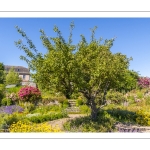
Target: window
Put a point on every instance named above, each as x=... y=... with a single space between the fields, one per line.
x=18 y=70
x=24 y=76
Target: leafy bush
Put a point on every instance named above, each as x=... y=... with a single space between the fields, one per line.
x=84 y=109
x=115 y=97
x=14 y=89
x=65 y=104
x=27 y=106
x=7 y=119
x=46 y=109
x=123 y=115
x=21 y=126
x=6 y=102
x=104 y=123
x=47 y=117
x=79 y=102
x=12 y=96
x=48 y=100
x=29 y=94
x=2 y=90
x=143 y=117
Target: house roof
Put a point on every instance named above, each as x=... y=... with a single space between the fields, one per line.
x=19 y=69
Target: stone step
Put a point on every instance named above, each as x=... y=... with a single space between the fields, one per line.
x=72 y=109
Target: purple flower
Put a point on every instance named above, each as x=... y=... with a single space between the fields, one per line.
x=10 y=109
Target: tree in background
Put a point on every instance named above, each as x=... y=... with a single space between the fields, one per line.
x=13 y=77
x=130 y=79
x=90 y=68
x=55 y=69
x=2 y=74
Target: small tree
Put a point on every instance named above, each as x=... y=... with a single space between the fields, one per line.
x=2 y=74
x=12 y=77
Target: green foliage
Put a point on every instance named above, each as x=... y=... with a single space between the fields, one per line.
x=2 y=91
x=14 y=89
x=12 y=77
x=65 y=104
x=47 y=117
x=6 y=102
x=60 y=99
x=79 y=102
x=2 y=73
x=123 y=115
x=8 y=119
x=130 y=80
x=143 y=117
x=27 y=106
x=46 y=109
x=84 y=109
x=104 y=123
x=115 y=97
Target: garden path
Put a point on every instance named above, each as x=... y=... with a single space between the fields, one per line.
x=60 y=122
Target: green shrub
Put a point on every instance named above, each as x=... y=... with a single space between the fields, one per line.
x=65 y=104
x=47 y=100
x=6 y=120
x=116 y=97
x=123 y=115
x=79 y=102
x=27 y=106
x=6 y=102
x=104 y=123
x=46 y=109
x=2 y=90
x=47 y=117
x=147 y=100
x=14 y=89
x=84 y=109
x=143 y=117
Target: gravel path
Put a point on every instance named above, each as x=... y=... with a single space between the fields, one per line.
x=60 y=122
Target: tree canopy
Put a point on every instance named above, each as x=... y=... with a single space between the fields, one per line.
x=90 y=68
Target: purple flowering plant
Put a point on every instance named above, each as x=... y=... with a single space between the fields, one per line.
x=144 y=82
x=11 y=109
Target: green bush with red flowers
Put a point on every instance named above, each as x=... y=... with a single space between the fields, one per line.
x=29 y=94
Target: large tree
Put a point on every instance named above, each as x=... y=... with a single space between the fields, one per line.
x=90 y=68
x=98 y=71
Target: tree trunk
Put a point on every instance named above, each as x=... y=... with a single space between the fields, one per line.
x=94 y=110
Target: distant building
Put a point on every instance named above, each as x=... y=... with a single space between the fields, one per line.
x=24 y=73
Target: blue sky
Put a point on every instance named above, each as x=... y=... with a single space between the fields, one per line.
x=132 y=36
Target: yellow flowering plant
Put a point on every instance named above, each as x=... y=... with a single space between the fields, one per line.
x=21 y=126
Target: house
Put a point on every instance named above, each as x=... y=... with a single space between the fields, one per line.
x=24 y=73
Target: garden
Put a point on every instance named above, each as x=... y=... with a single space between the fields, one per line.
x=85 y=80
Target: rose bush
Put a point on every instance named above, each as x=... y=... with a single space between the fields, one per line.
x=144 y=82
x=29 y=94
